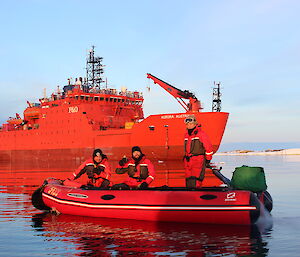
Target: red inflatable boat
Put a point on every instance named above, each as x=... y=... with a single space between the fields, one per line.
x=217 y=205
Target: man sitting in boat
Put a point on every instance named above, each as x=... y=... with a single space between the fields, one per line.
x=198 y=152
x=140 y=170
x=97 y=169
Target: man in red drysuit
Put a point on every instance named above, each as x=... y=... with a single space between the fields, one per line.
x=140 y=170
x=198 y=152
x=97 y=169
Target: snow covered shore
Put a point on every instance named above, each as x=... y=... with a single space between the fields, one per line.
x=295 y=151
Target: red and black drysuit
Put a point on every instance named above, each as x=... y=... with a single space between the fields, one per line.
x=98 y=173
x=198 y=149
x=140 y=172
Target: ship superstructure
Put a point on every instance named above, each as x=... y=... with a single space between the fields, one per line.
x=104 y=108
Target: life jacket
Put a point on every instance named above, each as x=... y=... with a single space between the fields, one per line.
x=143 y=171
x=140 y=170
x=99 y=170
x=198 y=143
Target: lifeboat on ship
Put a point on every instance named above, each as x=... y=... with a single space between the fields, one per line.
x=14 y=121
x=32 y=113
x=212 y=204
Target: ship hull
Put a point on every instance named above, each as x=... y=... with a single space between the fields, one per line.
x=66 y=147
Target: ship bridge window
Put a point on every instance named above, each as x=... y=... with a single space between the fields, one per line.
x=76 y=97
x=86 y=98
x=110 y=99
x=115 y=100
x=106 y=99
x=81 y=97
x=96 y=98
x=123 y=100
x=119 y=100
x=101 y=98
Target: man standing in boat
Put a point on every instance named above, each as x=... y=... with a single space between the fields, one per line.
x=198 y=152
x=97 y=169
x=140 y=170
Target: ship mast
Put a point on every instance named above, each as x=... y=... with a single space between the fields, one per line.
x=216 y=103
x=94 y=70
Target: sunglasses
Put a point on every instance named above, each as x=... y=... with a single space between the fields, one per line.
x=188 y=120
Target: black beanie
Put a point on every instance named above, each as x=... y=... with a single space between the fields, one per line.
x=136 y=148
x=96 y=151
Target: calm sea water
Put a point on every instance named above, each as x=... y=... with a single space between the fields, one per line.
x=25 y=231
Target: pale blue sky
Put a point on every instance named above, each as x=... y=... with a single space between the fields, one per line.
x=251 y=47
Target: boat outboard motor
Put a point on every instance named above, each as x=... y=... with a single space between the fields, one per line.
x=266 y=199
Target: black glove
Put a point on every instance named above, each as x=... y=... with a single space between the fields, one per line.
x=207 y=163
x=123 y=161
x=143 y=185
x=187 y=158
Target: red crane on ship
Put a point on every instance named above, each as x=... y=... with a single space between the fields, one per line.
x=192 y=105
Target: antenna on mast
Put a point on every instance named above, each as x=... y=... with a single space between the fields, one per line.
x=94 y=70
x=216 y=103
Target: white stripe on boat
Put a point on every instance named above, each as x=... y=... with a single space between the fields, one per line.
x=137 y=207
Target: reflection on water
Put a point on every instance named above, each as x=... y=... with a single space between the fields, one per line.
x=112 y=237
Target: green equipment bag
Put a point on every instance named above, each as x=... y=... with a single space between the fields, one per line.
x=249 y=178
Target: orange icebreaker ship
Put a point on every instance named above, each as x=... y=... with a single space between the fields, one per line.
x=62 y=130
